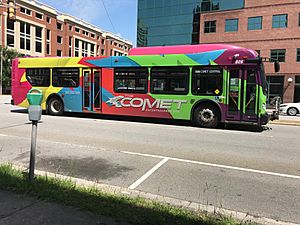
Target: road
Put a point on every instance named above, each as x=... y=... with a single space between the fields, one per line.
x=255 y=172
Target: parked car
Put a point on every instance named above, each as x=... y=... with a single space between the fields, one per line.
x=291 y=109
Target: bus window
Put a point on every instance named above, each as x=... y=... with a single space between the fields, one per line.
x=39 y=77
x=170 y=80
x=207 y=81
x=131 y=80
x=65 y=77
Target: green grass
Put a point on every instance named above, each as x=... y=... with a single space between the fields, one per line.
x=132 y=210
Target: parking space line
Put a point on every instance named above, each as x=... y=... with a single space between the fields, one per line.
x=148 y=174
x=217 y=165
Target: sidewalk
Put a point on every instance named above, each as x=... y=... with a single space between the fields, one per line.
x=287 y=120
x=19 y=209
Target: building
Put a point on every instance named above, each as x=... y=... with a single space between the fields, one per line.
x=269 y=27
x=40 y=30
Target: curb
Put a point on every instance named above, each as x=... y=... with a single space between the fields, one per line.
x=285 y=122
x=194 y=206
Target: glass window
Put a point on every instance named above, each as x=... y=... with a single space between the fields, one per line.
x=59 y=26
x=255 y=23
x=170 y=80
x=280 y=21
x=131 y=80
x=275 y=87
x=10 y=33
x=59 y=53
x=65 y=77
x=207 y=80
x=210 y=26
x=298 y=55
x=38 y=77
x=59 y=39
x=231 y=25
x=38 y=39
x=39 y=15
x=278 y=54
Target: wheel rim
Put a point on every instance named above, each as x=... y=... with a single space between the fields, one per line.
x=206 y=115
x=292 y=112
x=55 y=106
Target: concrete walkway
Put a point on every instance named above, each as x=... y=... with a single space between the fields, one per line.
x=18 y=209
x=287 y=120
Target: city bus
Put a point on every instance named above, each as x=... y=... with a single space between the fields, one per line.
x=207 y=84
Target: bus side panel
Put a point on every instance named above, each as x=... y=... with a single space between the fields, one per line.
x=20 y=86
x=129 y=104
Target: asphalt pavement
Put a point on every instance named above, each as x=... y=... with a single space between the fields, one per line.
x=250 y=171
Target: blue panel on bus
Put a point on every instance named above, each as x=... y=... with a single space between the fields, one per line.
x=72 y=99
x=115 y=61
x=206 y=57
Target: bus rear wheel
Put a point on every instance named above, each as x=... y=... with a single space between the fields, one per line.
x=55 y=107
x=206 y=116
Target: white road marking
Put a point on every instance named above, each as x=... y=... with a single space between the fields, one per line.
x=3 y=135
x=148 y=174
x=216 y=165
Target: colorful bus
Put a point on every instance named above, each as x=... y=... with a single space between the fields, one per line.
x=208 y=84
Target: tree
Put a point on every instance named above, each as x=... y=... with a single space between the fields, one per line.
x=8 y=55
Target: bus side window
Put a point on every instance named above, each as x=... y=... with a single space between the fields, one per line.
x=38 y=77
x=207 y=80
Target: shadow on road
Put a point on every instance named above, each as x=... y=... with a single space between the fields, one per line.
x=185 y=123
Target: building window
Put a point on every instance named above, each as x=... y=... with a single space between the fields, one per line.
x=102 y=52
x=70 y=28
x=38 y=77
x=278 y=54
x=298 y=55
x=48 y=41
x=210 y=26
x=65 y=77
x=48 y=19
x=169 y=80
x=275 y=87
x=59 y=26
x=25 y=11
x=255 y=23
x=130 y=80
x=59 y=53
x=38 y=39
x=92 y=35
x=297 y=89
x=59 y=39
x=280 y=21
x=39 y=15
x=207 y=80
x=70 y=46
x=76 y=47
x=10 y=33
x=77 y=30
x=231 y=25
x=25 y=36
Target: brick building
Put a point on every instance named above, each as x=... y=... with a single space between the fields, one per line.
x=270 y=27
x=40 y=30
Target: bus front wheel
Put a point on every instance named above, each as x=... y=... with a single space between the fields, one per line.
x=55 y=107
x=206 y=116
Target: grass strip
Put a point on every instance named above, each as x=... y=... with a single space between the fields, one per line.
x=135 y=210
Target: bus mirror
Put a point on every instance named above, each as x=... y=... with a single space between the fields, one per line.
x=276 y=66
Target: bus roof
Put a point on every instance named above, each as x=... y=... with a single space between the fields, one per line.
x=184 y=49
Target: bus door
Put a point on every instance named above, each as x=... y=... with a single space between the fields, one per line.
x=242 y=95
x=91 y=90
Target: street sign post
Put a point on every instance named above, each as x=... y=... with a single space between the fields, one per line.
x=34 y=98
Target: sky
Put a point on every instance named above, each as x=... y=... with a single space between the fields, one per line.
x=123 y=14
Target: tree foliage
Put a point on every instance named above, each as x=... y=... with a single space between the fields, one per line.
x=7 y=56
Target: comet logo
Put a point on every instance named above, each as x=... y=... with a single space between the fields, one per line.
x=144 y=104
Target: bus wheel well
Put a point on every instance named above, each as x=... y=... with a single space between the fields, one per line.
x=206 y=113
x=50 y=99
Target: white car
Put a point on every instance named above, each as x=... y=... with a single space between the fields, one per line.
x=291 y=109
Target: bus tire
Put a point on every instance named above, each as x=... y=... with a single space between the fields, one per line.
x=55 y=107
x=206 y=116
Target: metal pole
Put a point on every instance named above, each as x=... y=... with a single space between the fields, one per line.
x=32 y=150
